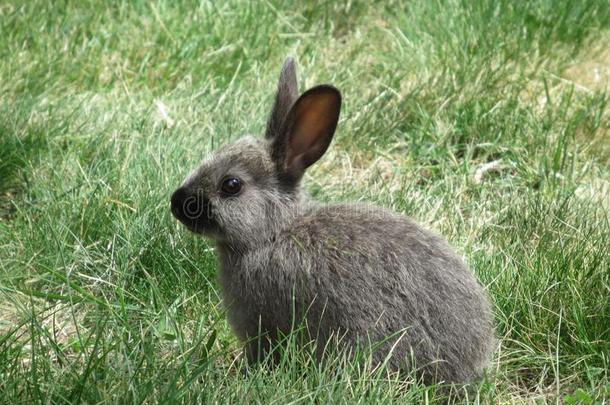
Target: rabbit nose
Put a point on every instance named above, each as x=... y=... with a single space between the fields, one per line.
x=188 y=207
x=178 y=200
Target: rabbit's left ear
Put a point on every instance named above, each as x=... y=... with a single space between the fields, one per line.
x=307 y=131
x=286 y=95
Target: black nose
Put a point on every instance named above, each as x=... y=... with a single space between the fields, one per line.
x=188 y=207
x=178 y=203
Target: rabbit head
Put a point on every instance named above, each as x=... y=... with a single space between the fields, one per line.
x=248 y=190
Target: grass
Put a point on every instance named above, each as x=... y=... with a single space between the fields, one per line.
x=487 y=121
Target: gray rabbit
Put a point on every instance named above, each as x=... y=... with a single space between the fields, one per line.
x=356 y=272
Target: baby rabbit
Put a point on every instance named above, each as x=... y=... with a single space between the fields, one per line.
x=357 y=272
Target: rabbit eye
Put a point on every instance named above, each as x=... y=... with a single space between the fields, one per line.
x=231 y=186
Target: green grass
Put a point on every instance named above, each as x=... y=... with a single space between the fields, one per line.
x=487 y=121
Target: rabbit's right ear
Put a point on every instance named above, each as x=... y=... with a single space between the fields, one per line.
x=287 y=93
x=306 y=132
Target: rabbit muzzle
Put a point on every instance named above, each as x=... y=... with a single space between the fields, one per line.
x=193 y=209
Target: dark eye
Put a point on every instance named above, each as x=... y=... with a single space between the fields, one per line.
x=231 y=186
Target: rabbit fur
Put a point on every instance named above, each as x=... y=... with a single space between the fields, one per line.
x=353 y=271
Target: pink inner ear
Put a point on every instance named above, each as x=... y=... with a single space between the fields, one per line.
x=313 y=123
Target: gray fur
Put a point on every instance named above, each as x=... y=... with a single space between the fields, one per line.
x=356 y=271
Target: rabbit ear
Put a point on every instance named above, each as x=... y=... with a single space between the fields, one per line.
x=307 y=131
x=287 y=92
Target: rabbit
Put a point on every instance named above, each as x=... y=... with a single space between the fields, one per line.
x=357 y=271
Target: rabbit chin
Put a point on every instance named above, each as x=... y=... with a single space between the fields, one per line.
x=208 y=228
x=208 y=231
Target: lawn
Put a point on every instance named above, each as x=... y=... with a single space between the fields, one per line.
x=487 y=121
